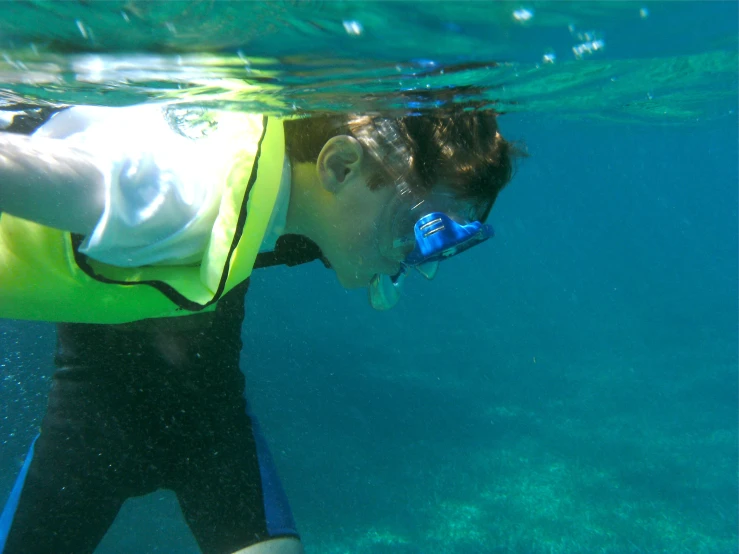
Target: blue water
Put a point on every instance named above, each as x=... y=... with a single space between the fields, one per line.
x=571 y=386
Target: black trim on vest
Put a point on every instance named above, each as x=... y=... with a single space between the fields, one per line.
x=242 y=218
x=290 y=250
x=167 y=290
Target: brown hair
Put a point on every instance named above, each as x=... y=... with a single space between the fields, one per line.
x=463 y=150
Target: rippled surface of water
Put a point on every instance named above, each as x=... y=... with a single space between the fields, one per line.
x=666 y=62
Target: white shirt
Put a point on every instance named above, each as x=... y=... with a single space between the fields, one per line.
x=162 y=194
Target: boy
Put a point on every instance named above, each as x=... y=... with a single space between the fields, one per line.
x=148 y=213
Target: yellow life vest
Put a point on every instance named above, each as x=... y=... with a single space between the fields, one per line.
x=43 y=276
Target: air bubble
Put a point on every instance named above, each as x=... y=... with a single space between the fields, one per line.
x=353 y=27
x=523 y=15
x=81 y=28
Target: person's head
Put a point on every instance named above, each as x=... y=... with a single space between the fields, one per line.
x=357 y=178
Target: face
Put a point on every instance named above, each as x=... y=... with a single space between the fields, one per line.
x=357 y=226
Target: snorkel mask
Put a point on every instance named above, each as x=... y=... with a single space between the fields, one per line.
x=425 y=231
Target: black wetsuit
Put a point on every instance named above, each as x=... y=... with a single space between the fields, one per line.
x=131 y=411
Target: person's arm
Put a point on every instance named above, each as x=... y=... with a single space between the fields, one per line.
x=49 y=182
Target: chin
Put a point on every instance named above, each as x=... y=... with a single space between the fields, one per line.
x=353 y=281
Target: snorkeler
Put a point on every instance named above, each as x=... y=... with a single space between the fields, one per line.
x=150 y=219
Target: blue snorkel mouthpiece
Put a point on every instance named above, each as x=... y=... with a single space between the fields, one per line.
x=384 y=290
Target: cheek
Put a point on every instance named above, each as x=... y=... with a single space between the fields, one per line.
x=357 y=245
x=359 y=241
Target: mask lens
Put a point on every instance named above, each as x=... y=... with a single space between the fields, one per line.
x=408 y=209
x=407 y=214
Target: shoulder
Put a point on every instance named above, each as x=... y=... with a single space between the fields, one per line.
x=80 y=119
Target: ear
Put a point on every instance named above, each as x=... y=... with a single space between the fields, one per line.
x=340 y=161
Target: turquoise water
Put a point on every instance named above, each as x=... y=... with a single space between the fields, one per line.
x=572 y=386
